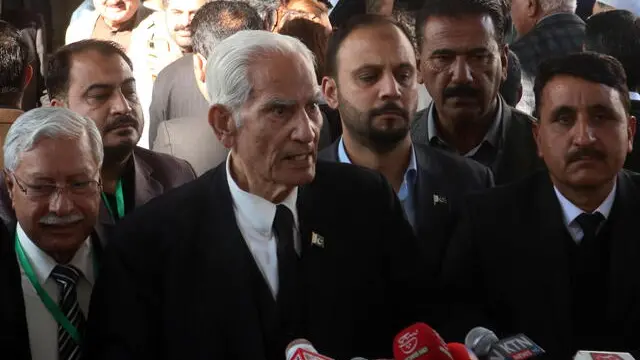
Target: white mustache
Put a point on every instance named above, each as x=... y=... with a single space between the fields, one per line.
x=53 y=219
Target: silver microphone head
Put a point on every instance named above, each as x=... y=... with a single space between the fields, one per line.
x=480 y=340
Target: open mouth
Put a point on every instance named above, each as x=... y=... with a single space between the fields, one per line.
x=299 y=157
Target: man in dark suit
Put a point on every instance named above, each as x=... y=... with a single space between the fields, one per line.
x=267 y=247
x=553 y=256
x=463 y=61
x=376 y=116
x=546 y=29
x=617 y=33
x=52 y=165
x=94 y=78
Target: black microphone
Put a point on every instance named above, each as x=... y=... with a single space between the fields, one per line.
x=484 y=343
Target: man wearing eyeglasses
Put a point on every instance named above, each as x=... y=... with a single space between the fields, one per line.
x=52 y=162
x=462 y=62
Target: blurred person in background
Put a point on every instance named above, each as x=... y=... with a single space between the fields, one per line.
x=546 y=29
x=112 y=20
x=617 y=33
x=608 y=5
x=15 y=74
x=159 y=40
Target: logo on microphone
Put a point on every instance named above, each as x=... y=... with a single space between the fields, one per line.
x=408 y=342
x=601 y=356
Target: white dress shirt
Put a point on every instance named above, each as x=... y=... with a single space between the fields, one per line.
x=570 y=212
x=43 y=328
x=255 y=216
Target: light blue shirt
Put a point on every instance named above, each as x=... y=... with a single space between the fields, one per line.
x=407 y=188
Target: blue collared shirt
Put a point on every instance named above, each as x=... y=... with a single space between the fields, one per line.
x=407 y=188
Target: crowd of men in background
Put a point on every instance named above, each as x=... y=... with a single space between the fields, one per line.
x=213 y=179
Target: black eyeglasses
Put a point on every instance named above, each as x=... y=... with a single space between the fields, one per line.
x=45 y=191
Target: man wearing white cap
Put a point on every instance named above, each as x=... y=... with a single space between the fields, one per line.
x=606 y=5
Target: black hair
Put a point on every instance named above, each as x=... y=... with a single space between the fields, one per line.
x=59 y=64
x=511 y=88
x=14 y=59
x=455 y=8
x=355 y=23
x=617 y=33
x=589 y=66
x=217 y=20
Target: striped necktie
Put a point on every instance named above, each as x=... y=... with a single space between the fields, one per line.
x=66 y=276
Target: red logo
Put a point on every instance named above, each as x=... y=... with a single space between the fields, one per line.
x=601 y=356
x=408 y=342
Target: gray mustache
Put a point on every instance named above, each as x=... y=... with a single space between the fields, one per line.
x=53 y=219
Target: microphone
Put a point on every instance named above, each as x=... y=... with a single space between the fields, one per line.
x=460 y=352
x=420 y=342
x=301 y=349
x=602 y=355
x=483 y=342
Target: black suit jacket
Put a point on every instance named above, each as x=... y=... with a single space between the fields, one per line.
x=517 y=156
x=179 y=281
x=14 y=336
x=154 y=173
x=508 y=268
x=441 y=175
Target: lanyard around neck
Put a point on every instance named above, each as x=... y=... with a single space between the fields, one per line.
x=119 y=201
x=51 y=305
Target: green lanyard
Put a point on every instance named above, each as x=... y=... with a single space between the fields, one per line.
x=53 y=308
x=119 y=201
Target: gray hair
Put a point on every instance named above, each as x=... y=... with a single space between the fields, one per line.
x=49 y=122
x=228 y=70
x=549 y=6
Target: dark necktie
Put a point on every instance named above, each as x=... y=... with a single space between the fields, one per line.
x=283 y=225
x=66 y=277
x=589 y=224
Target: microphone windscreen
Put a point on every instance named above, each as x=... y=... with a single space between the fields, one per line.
x=420 y=342
x=480 y=340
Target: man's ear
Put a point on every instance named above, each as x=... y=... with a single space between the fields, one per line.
x=535 y=129
x=28 y=75
x=10 y=184
x=418 y=71
x=58 y=103
x=533 y=8
x=222 y=121
x=504 y=58
x=330 y=92
x=200 y=67
x=631 y=131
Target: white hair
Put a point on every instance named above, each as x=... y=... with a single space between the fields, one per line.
x=228 y=68
x=549 y=6
x=49 y=122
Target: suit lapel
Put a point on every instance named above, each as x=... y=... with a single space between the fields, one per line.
x=431 y=206
x=146 y=187
x=224 y=247
x=548 y=251
x=420 y=127
x=625 y=250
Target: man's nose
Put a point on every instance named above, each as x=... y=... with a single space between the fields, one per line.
x=461 y=71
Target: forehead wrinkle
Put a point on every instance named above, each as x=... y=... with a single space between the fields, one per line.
x=379 y=46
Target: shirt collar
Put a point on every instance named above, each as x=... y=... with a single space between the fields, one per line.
x=634 y=95
x=258 y=212
x=492 y=136
x=570 y=212
x=43 y=264
x=409 y=173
